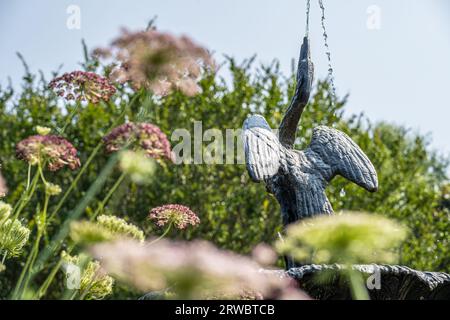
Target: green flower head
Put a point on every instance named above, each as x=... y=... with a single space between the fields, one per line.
x=346 y=238
x=86 y=232
x=120 y=228
x=139 y=167
x=95 y=284
x=13 y=237
x=106 y=228
x=5 y=211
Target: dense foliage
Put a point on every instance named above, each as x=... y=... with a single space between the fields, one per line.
x=235 y=213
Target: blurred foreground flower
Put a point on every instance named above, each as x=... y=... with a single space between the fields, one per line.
x=174 y=214
x=264 y=255
x=3 y=187
x=53 y=150
x=5 y=211
x=192 y=270
x=106 y=228
x=144 y=137
x=157 y=61
x=137 y=166
x=83 y=86
x=94 y=283
x=13 y=235
x=347 y=238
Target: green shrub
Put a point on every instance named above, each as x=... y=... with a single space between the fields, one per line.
x=236 y=214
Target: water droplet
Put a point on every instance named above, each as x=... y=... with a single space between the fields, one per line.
x=342 y=193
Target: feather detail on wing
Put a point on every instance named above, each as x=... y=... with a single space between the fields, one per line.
x=344 y=157
x=263 y=151
x=312 y=201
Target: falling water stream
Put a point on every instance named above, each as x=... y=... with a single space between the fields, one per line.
x=331 y=79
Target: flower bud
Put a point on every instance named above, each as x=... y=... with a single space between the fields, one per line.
x=43 y=131
x=5 y=211
x=52 y=189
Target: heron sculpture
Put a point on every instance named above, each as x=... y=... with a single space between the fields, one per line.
x=298 y=178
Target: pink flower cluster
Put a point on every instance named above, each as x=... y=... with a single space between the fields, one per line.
x=158 y=61
x=178 y=215
x=193 y=270
x=83 y=86
x=145 y=136
x=55 y=151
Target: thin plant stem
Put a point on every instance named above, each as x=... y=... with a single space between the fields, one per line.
x=28 y=177
x=88 y=162
x=40 y=233
x=48 y=281
x=31 y=257
x=69 y=119
x=41 y=173
x=75 y=214
x=102 y=204
x=359 y=292
x=43 y=289
x=26 y=197
x=75 y=181
x=163 y=235
x=41 y=220
x=18 y=287
x=24 y=200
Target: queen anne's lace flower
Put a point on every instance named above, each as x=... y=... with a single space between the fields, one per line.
x=145 y=137
x=13 y=237
x=87 y=232
x=120 y=227
x=3 y=187
x=349 y=238
x=192 y=270
x=158 y=61
x=83 y=86
x=55 y=151
x=175 y=214
x=5 y=211
x=106 y=228
x=95 y=284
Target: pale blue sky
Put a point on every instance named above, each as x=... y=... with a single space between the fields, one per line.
x=400 y=73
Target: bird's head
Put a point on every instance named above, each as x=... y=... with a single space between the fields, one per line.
x=256 y=121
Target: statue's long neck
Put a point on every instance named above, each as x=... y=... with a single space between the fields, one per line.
x=289 y=124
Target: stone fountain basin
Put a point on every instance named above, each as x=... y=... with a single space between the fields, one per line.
x=395 y=282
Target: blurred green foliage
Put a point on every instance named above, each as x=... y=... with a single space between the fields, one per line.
x=236 y=214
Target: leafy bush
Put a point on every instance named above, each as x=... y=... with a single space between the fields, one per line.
x=236 y=214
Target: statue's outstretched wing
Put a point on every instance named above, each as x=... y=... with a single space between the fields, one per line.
x=263 y=150
x=344 y=157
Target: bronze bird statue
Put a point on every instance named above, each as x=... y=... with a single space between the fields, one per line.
x=298 y=178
